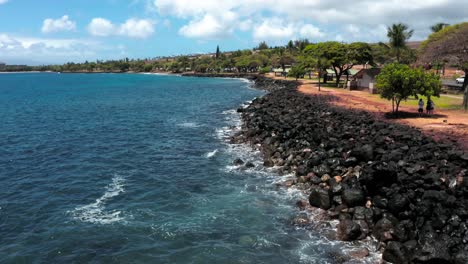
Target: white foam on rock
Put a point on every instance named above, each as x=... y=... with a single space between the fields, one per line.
x=247 y=153
x=96 y=212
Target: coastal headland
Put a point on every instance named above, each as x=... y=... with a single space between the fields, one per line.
x=380 y=179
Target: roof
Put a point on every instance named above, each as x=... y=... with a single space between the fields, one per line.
x=353 y=71
x=281 y=70
x=372 y=72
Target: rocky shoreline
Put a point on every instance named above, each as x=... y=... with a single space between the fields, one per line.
x=378 y=179
x=261 y=82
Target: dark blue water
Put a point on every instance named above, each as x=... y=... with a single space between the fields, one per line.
x=132 y=168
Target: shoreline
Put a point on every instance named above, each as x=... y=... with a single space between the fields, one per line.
x=410 y=210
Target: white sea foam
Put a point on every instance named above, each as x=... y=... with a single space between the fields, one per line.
x=270 y=176
x=96 y=212
x=189 y=124
x=211 y=154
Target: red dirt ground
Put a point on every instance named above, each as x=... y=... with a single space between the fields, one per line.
x=447 y=125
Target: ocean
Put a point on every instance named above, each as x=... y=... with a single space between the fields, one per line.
x=134 y=168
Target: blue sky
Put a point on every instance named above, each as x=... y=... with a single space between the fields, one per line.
x=58 y=31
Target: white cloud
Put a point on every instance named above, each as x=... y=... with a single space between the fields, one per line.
x=327 y=16
x=101 y=27
x=137 y=28
x=46 y=50
x=210 y=26
x=3 y=1
x=273 y=29
x=61 y=24
x=311 y=32
x=133 y=28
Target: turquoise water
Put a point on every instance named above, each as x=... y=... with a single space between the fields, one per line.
x=129 y=168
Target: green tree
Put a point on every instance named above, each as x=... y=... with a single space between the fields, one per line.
x=341 y=57
x=262 y=46
x=397 y=82
x=438 y=27
x=297 y=72
x=398 y=34
x=217 y=52
x=449 y=45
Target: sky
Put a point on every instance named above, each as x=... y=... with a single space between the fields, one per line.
x=37 y=32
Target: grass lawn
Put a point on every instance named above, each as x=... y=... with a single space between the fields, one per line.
x=442 y=102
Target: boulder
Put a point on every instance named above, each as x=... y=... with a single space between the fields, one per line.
x=353 y=197
x=348 y=230
x=395 y=253
x=320 y=198
x=238 y=162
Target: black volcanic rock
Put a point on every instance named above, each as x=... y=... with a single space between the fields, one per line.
x=388 y=179
x=320 y=198
x=353 y=197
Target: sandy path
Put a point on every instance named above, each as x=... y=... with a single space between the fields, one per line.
x=451 y=125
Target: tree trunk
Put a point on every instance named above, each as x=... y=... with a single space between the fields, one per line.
x=393 y=105
x=338 y=76
x=465 y=95
x=398 y=101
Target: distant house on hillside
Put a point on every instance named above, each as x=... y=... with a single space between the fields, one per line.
x=366 y=78
x=2 y=66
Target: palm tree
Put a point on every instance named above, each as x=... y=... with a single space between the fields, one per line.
x=438 y=27
x=398 y=34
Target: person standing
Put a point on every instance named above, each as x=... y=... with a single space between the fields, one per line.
x=429 y=106
x=420 y=107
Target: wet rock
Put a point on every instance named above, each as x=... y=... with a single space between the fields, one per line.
x=302 y=204
x=396 y=253
x=320 y=198
x=238 y=162
x=361 y=253
x=321 y=170
x=386 y=228
x=348 y=230
x=249 y=165
x=268 y=163
x=390 y=177
x=397 y=204
x=325 y=178
x=301 y=220
x=315 y=180
x=353 y=197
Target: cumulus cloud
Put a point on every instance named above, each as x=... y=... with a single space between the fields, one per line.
x=61 y=24
x=133 y=28
x=330 y=15
x=273 y=29
x=311 y=32
x=101 y=27
x=49 y=50
x=277 y=30
x=210 y=26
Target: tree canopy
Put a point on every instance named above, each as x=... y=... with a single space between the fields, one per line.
x=397 y=82
x=398 y=34
x=449 y=45
x=340 y=56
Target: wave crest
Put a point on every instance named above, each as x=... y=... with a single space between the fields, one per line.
x=96 y=212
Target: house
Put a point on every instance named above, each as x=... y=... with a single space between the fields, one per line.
x=365 y=78
x=280 y=72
